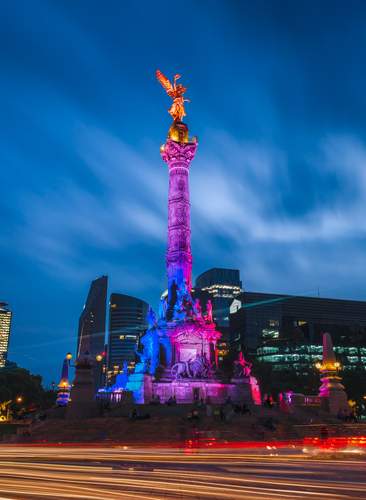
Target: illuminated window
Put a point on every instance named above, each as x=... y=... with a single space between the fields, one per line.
x=270 y=334
x=274 y=322
x=268 y=350
x=352 y=350
x=318 y=357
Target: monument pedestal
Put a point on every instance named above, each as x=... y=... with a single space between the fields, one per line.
x=241 y=390
x=140 y=384
x=333 y=397
x=187 y=391
x=82 y=398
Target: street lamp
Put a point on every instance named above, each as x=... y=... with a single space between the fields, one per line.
x=328 y=367
x=19 y=399
x=68 y=358
x=99 y=359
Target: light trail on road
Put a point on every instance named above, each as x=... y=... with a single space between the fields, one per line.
x=100 y=473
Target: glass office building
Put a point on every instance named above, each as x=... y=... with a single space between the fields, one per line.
x=221 y=285
x=127 y=322
x=287 y=330
x=91 y=334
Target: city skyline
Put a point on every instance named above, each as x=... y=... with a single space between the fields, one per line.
x=278 y=184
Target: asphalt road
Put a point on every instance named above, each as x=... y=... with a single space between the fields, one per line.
x=122 y=472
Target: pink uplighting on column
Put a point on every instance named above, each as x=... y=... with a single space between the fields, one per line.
x=178 y=156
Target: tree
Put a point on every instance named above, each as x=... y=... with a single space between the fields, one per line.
x=16 y=382
x=354 y=382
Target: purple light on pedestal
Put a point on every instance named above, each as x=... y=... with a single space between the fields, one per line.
x=178 y=156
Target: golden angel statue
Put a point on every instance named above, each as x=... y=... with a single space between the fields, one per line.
x=176 y=92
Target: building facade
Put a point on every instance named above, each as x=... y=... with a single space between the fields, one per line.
x=286 y=330
x=301 y=357
x=221 y=286
x=92 y=322
x=92 y=327
x=127 y=322
x=5 y=324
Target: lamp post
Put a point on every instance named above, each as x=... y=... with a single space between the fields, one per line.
x=99 y=359
x=326 y=367
x=17 y=405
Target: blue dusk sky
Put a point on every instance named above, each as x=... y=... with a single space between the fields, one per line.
x=278 y=186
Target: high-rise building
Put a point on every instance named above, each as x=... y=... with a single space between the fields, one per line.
x=5 y=322
x=127 y=322
x=93 y=319
x=223 y=285
x=287 y=330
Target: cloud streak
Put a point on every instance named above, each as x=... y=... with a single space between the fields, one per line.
x=243 y=200
x=237 y=193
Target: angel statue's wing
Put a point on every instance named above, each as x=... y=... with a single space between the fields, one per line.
x=165 y=83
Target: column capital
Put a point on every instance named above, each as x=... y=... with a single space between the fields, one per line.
x=178 y=152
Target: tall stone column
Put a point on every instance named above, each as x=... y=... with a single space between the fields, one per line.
x=178 y=155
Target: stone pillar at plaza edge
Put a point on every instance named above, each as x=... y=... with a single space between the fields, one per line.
x=178 y=152
x=332 y=394
x=82 y=398
x=64 y=387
